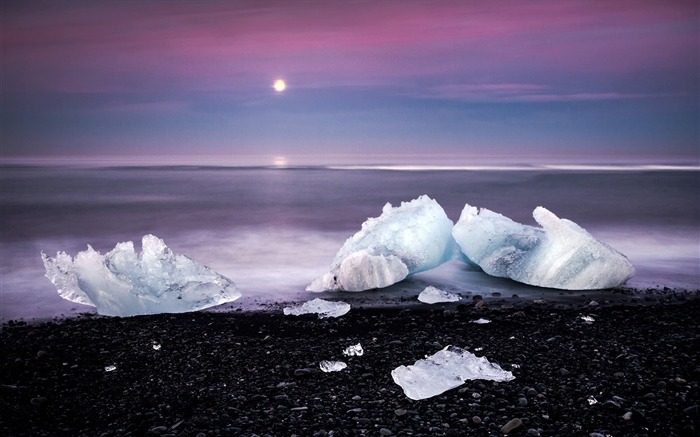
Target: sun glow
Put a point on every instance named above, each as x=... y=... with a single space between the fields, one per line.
x=280 y=161
x=279 y=85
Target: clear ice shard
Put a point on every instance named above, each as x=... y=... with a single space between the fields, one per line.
x=560 y=254
x=124 y=283
x=434 y=295
x=332 y=366
x=354 y=350
x=404 y=240
x=444 y=370
x=481 y=321
x=323 y=308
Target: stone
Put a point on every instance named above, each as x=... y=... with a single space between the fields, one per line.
x=511 y=426
x=302 y=373
x=692 y=411
x=38 y=401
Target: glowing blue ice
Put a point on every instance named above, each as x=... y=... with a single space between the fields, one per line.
x=561 y=254
x=404 y=240
x=122 y=283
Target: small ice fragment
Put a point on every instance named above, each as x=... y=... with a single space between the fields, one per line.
x=512 y=337
x=110 y=368
x=354 y=350
x=323 y=308
x=434 y=295
x=588 y=319
x=515 y=366
x=332 y=366
x=592 y=400
x=481 y=321
x=444 y=370
x=478 y=349
x=156 y=346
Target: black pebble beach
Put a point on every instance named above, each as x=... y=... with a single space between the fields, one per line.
x=633 y=371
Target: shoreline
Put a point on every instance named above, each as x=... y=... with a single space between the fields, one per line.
x=634 y=370
x=405 y=296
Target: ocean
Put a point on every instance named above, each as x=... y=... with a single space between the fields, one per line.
x=273 y=230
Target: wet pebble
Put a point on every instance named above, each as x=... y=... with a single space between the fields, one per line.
x=511 y=425
x=40 y=400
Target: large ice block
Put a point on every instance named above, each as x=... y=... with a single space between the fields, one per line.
x=123 y=283
x=561 y=254
x=404 y=240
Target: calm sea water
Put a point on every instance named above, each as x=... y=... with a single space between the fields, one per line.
x=273 y=230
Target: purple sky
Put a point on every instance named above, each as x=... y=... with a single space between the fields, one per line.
x=385 y=82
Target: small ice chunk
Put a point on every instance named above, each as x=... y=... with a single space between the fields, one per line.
x=560 y=254
x=434 y=295
x=332 y=366
x=588 y=319
x=110 y=368
x=404 y=240
x=156 y=346
x=481 y=321
x=323 y=308
x=354 y=350
x=124 y=283
x=444 y=370
x=592 y=400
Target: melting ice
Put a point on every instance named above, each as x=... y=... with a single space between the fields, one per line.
x=122 y=283
x=332 y=366
x=434 y=295
x=354 y=350
x=323 y=308
x=404 y=240
x=444 y=370
x=561 y=254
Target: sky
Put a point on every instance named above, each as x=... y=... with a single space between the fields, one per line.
x=386 y=82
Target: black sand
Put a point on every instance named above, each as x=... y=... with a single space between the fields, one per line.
x=633 y=371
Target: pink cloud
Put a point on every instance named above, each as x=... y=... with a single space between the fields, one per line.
x=117 y=46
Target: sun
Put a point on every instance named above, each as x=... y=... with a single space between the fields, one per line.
x=280 y=161
x=279 y=85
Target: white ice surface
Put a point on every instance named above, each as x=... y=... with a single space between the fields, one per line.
x=323 y=308
x=332 y=366
x=434 y=295
x=561 y=254
x=124 y=283
x=404 y=240
x=444 y=370
x=354 y=350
